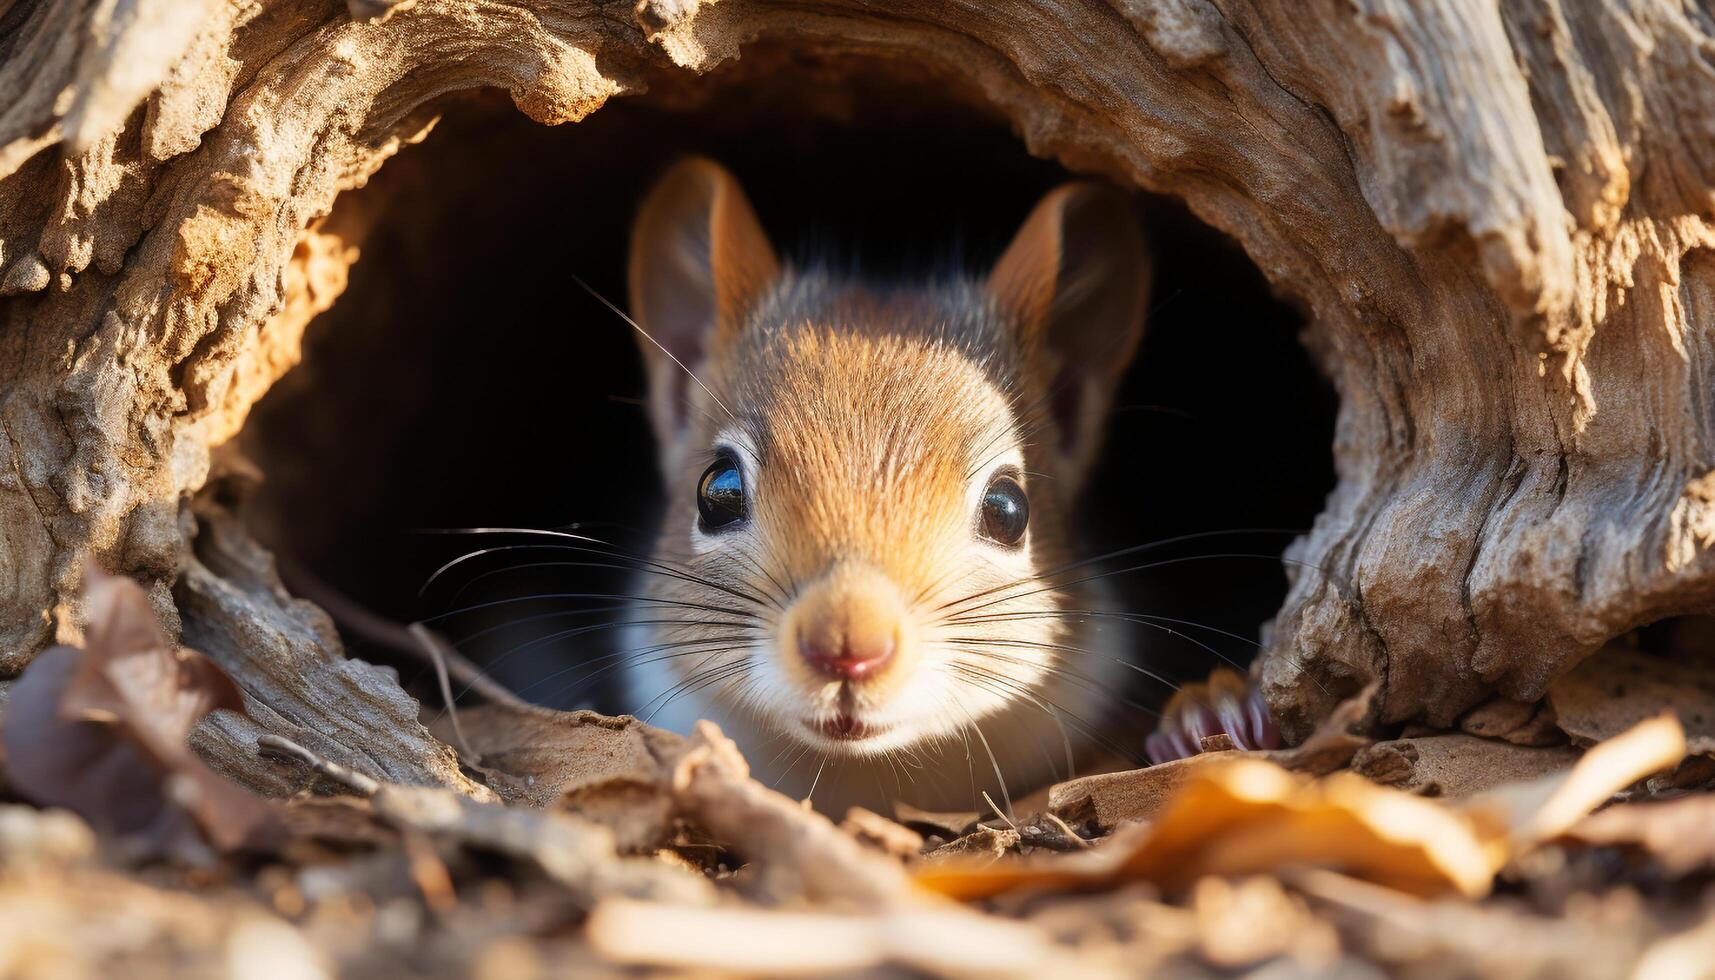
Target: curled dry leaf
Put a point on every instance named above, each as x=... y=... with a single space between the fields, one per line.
x=611 y=771
x=101 y=731
x=985 y=843
x=1247 y=815
x=1528 y=813
x=1107 y=800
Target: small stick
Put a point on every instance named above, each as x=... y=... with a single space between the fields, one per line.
x=1065 y=829
x=383 y=632
x=997 y=812
x=273 y=746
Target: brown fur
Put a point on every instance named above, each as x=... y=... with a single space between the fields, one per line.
x=868 y=422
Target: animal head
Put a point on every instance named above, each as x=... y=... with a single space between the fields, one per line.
x=867 y=485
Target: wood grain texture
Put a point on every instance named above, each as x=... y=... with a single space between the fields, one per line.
x=1496 y=214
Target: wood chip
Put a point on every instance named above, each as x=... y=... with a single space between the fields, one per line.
x=877 y=832
x=1513 y=721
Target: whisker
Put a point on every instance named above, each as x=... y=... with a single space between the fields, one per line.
x=1130 y=550
x=1176 y=634
x=1099 y=614
x=615 y=596
x=1057 y=670
x=1060 y=648
x=1006 y=688
x=597 y=627
x=646 y=336
x=695 y=682
x=633 y=657
x=1146 y=566
x=644 y=565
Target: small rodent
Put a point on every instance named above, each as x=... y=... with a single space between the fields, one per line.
x=866 y=487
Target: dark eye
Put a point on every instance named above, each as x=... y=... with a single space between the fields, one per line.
x=1006 y=511
x=720 y=495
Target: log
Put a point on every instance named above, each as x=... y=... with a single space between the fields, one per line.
x=1496 y=215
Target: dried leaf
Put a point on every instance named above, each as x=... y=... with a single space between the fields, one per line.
x=1246 y=815
x=984 y=843
x=1108 y=800
x=101 y=731
x=1528 y=813
x=612 y=771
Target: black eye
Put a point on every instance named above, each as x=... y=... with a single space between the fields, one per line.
x=720 y=495
x=1006 y=511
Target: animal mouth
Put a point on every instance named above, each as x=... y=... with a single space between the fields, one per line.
x=846 y=727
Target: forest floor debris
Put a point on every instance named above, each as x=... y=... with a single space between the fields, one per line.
x=1569 y=839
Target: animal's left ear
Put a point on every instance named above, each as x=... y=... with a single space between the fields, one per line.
x=1076 y=280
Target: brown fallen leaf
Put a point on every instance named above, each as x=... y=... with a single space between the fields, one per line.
x=1525 y=814
x=609 y=770
x=1245 y=815
x=1456 y=766
x=1107 y=800
x=101 y=731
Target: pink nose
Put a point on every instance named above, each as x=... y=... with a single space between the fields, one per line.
x=849 y=658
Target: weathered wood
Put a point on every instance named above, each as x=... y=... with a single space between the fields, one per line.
x=1497 y=214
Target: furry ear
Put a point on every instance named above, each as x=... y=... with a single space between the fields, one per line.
x=699 y=260
x=1076 y=280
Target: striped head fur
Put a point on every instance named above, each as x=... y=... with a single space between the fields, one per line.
x=869 y=492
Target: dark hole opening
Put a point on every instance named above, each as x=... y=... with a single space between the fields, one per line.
x=464 y=379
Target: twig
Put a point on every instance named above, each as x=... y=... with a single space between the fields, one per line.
x=274 y=747
x=383 y=632
x=997 y=812
x=1066 y=829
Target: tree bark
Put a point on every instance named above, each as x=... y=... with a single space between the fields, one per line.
x=1498 y=216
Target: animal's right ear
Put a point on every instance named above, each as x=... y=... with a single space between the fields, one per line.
x=699 y=261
